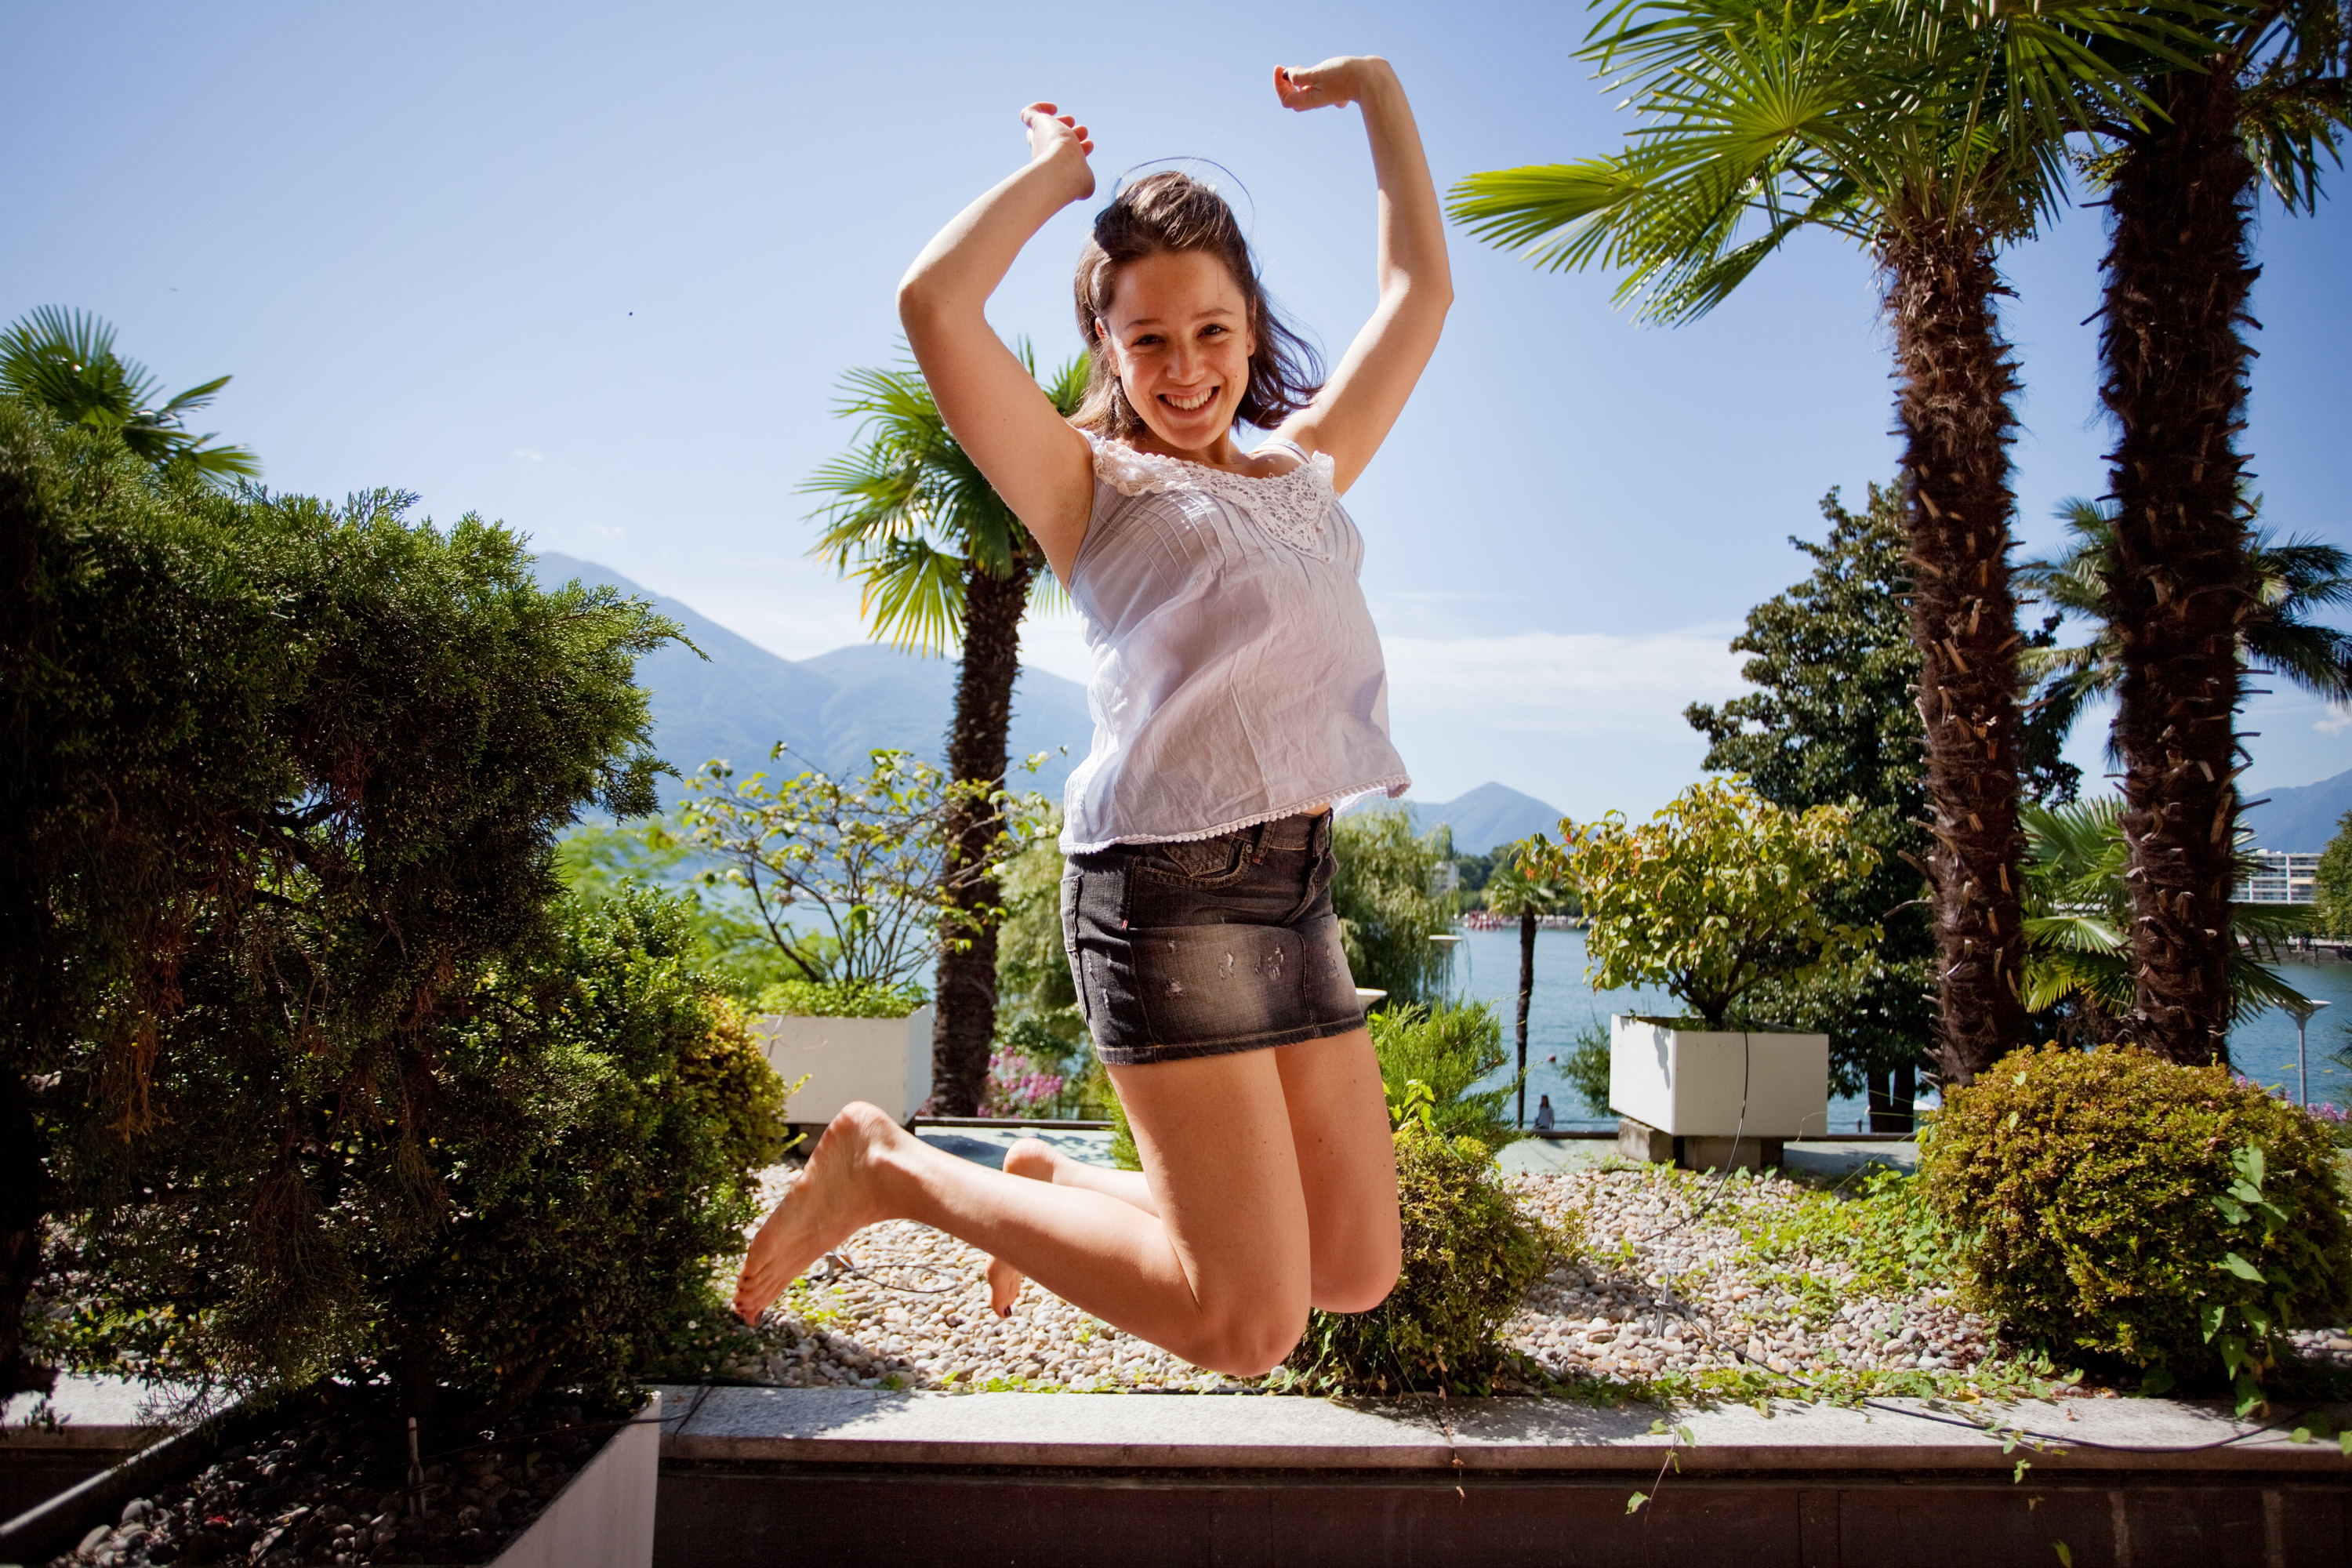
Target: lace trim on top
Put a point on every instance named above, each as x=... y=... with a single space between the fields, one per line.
x=1289 y=507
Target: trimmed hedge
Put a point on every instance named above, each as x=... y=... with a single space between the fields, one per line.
x=2102 y=1196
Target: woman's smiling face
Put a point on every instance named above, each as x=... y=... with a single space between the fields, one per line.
x=1179 y=334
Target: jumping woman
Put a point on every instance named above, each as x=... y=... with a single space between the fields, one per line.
x=1239 y=697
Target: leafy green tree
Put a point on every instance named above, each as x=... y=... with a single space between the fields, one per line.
x=874 y=861
x=64 y=361
x=2262 y=99
x=1387 y=911
x=1037 y=1016
x=287 y=786
x=2334 y=915
x=1831 y=721
x=1718 y=892
x=1931 y=136
x=1515 y=888
x=945 y=564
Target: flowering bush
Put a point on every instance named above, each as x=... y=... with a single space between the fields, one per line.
x=1019 y=1086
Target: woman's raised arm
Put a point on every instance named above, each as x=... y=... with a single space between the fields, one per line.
x=1037 y=461
x=1352 y=416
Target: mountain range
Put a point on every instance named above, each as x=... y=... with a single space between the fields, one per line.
x=831 y=710
x=2301 y=820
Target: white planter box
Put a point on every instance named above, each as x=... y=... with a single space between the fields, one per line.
x=603 y=1518
x=1687 y=1082
x=883 y=1062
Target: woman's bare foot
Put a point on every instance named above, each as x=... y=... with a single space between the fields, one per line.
x=834 y=1198
x=1031 y=1158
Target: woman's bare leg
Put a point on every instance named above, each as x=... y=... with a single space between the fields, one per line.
x=1220 y=1277
x=1040 y=1161
x=1332 y=1090
x=1347 y=1168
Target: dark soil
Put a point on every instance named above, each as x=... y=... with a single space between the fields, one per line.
x=334 y=1488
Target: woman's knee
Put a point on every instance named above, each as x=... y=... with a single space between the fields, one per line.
x=1254 y=1343
x=1358 y=1284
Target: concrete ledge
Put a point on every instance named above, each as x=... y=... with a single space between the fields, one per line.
x=106 y=1415
x=1173 y=1433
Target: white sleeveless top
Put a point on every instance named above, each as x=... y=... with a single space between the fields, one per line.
x=1237 y=675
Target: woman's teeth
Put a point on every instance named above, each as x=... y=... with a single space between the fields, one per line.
x=1185 y=403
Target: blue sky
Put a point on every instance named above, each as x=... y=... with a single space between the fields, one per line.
x=594 y=270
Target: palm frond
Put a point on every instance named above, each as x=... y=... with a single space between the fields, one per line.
x=1869 y=119
x=66 y=362
x=914 y=596
x=908 y=514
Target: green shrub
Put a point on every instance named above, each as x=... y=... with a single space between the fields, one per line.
x=839 y=999
x=2101 y=1198
x=1448 y=1051
x=612 y=1114
x=283 y=783
x=1470 y=1252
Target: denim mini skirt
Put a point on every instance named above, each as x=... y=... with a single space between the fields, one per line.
x=1209 y=946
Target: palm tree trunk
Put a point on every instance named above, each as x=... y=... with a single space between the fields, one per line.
x=964 y=1028
x=1956 y=379
x=1527 y=993
x=2179 y=584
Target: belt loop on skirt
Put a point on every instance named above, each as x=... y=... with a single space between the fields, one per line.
x=1257 y=843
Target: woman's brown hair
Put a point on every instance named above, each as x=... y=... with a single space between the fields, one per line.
x=1174 y=212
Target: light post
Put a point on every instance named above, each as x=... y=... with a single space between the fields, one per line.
x=2302 y=1012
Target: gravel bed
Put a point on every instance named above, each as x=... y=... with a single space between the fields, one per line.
x=1662 y=1289
x=1687 y=1301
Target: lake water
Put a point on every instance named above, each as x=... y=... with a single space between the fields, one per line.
x=1486 y=968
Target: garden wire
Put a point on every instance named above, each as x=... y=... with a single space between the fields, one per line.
x=1707 y=1332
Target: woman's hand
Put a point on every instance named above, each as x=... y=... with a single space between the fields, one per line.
x=1053 y=135
x=1341 y=79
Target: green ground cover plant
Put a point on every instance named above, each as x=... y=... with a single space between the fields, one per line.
x=1880 y=1234
x=2112 y=1206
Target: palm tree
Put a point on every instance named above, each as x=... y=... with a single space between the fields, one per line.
x=2267 y=96
x=1931 y=134
x=944 y=564
x=1514 y=888
x=2078 y=914
x=65 y=361
x=2290 y=582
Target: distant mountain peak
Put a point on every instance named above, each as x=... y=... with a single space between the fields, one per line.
x=1483 y=818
